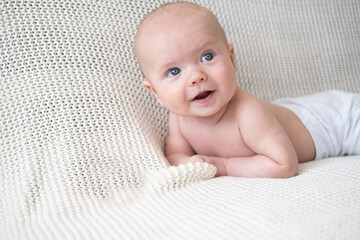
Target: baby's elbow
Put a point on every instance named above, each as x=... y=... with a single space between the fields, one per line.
x=287 y=171
x=287 y=167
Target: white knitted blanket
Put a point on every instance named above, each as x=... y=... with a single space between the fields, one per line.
x=81 y=141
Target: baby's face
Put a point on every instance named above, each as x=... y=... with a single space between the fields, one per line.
x=188 y=66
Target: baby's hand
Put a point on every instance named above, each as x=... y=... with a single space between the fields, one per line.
x=218 y=162
x=198 y=158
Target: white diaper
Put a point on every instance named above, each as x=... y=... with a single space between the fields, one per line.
x=333 y=120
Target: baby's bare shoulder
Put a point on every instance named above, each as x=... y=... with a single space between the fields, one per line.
x=250 y=107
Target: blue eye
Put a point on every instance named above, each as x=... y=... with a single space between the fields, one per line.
x=207 y=57
x=173 y=72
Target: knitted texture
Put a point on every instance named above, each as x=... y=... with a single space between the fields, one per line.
x=81 y=141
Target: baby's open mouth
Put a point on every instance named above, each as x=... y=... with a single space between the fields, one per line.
x=203 y=95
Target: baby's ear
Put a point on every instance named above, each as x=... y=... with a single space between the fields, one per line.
x=148 y=85
x=232 y=55
x=151 y=89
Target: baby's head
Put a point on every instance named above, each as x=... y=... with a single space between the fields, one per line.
x=179 y=47
x=173 y=18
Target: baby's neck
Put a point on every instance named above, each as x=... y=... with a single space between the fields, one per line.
x=217 y=117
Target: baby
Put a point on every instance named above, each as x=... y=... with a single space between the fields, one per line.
x=190 y=69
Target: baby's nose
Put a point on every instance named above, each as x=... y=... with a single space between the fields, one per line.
x=196 y=77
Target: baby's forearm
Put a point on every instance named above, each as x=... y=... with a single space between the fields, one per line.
x=253 y=166
x=176 y=159
x=257 y=166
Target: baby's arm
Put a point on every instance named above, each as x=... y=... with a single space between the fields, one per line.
x=275 y=155
x=178 y=150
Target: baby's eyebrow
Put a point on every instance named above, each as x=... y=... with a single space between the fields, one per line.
x=167 y=65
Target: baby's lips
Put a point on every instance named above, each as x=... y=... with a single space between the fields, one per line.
x=202 y=95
